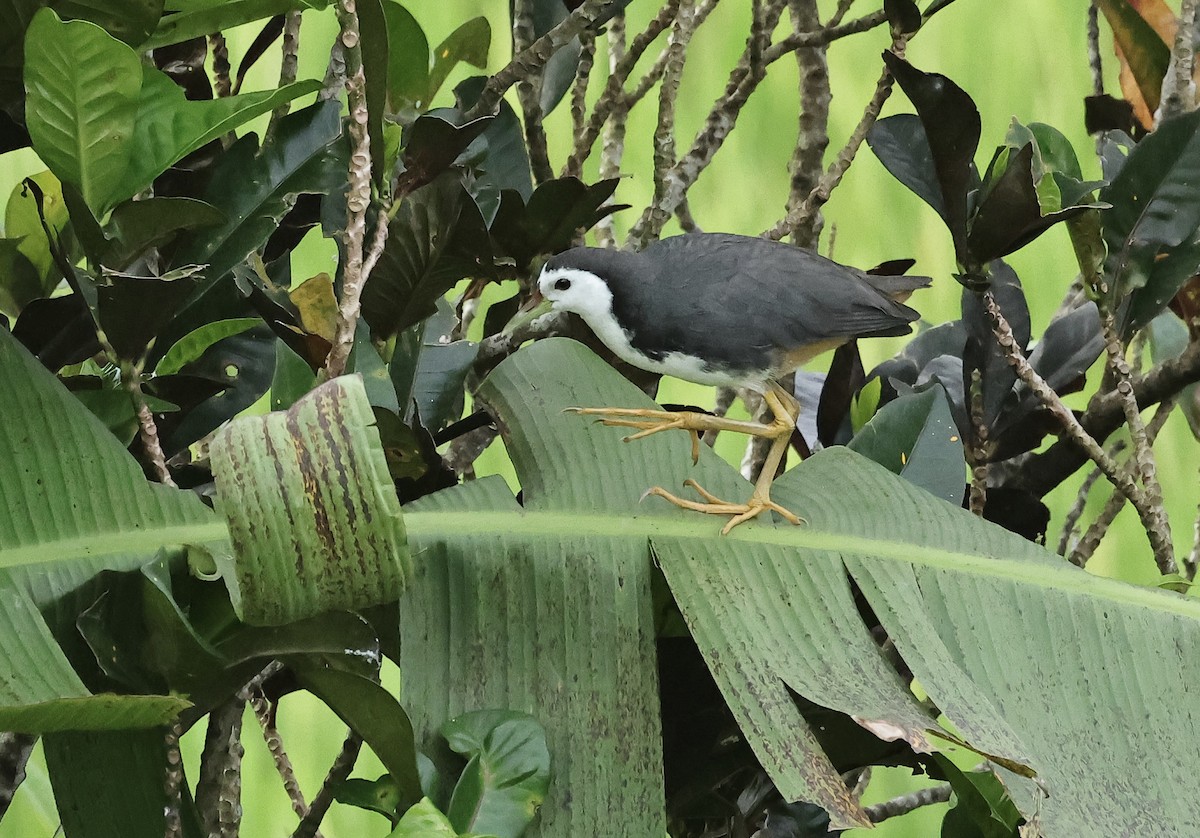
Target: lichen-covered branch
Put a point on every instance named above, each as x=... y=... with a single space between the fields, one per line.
x=529 y=94
x=531 y=60
x=1163 y=552
x=722 y=118
x=826 y=35
x=612 y=150
x=812 y=134
x=1093 y=48
x=613 y=96
x=358 y=195
x=908 y=802
x=1179 y=86
x=288 y=66
x=805 y=215
x=664 y=131
x=338 y=772
x=1086 y=547
x=219 y=787
x=173 y=782
x=219 y=50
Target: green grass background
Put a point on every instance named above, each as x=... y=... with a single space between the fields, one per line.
x=1022 y=59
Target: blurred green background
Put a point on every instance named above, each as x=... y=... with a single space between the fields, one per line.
x=1023 y=59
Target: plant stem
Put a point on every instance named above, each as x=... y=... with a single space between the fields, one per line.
x=358 y=196
x=906 y=803
x=288 y=65
x=338 y=772
x=1179 y=88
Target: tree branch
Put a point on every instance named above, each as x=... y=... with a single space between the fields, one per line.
x=1040 y=473
x=531 y=60
x=908 y=802
x=797 y=40
x=1179 y=87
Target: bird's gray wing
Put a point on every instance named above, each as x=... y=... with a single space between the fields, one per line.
x=774 y=296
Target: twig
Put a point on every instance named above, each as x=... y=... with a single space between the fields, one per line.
x=823 y=36
x=683 y=214
x=977 y=452
x=724 y=400
x=1091 y=540
x=840 y=13
x=1179 y=88
x=283 y=764
x=222 y=86
x=1192 y=562
x=358 y=196
x=812 y=134
x=1093 y=48
x=803 y=216
x=614 y=89
x=131 y=379
x=664 y=131
x=612 y=150
x=173 y=782
x=1071 y=521
x=722 y=118
x=338 y=772
x=529 y=93
x=906 y=803
x=288 y=66
x=1016 y=358
x=1040 y=473
x=535 y=57
x=335 y=73
x=583 y=75
x=1142 y=458
x=219 y=788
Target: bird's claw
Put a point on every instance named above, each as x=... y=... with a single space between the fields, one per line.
x=713 y=505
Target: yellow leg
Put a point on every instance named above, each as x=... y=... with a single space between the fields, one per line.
x=785 y=410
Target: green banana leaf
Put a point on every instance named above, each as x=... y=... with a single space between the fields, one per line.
x=543 y=606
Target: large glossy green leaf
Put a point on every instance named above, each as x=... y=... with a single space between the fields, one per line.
x=206 y=18
x=469 y=43
x=82 y=94
x=1151 y=230
x=312 y=511
x=130 y=21
x=73 y=502
x=408 y=59
x=22 y=221
x=256 y=188
x=1026 y=656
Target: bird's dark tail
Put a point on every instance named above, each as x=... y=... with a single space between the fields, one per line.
x=898 y=288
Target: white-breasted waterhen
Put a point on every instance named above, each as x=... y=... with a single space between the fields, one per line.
x=721 y=309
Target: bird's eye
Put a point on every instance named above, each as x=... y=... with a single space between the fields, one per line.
x=562 y=284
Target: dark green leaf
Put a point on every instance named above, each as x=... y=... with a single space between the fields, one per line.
x=334 y=635
x=20 y=283
x=58 y=331
x=915 y=436
x=438 y=388
x=192 y=346
x=422 y=258
x=131 y=21
x=373 y=714
x=170 y=126
x=952 y=129
x=242 y=365
x=982 y=351
x=138 y=225
x=401 y=446
x=507 y=773
x=127 y=799
x=469 y=43
x=981 y=808
x=365 y=361
x=205 y=18
x=255 y=189
x=560 y=70
x=373 y=42
x=1057 y=153
x=432 y=144
x=1148 y=57
x=408 y=60
x=293 y=378
x=903 y=15
x=1168 y=338
x=900 y=143
x=499 y=153
x=556 y=212
x=133 y=310
x=1068 y=348
x=1155 y=214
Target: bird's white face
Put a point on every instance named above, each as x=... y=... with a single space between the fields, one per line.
x=577 y=291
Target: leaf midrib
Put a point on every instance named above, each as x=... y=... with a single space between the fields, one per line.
x=113 y=543
x=571 y=524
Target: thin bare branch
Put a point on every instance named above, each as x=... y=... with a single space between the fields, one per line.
x=529 y=61
x=906 y=803
x=977 y=451
x=288 y=66
x=529 y=94
x=823 y=36
x=804 y=216
x=613 y=95
x=1075 y=431
x=131 y=380
x=338 y=772
x=1070 y=529
x=839 y=14
x=219 y=50
x=812 y=134
x=612 y=150
x=1086 y=547
x=664 y=132
x=219 y=787
x=1179 y=86
x=583 y=75
x=1093 y=48
x=173 y=782
x=722 y=118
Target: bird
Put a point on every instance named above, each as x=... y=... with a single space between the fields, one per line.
x=725 y=310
